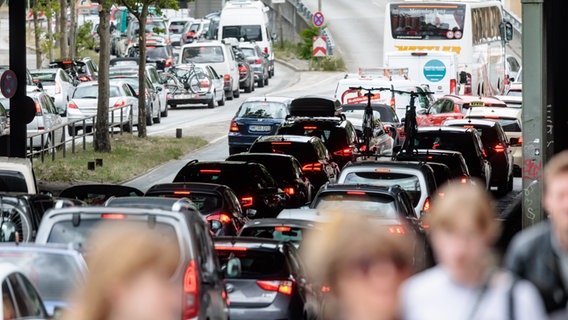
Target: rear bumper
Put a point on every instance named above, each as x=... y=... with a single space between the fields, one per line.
x=241 y=141
x=191 y=99
x=268 y=313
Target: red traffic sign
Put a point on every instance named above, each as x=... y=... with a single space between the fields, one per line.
x=320 y=47
x=318 y=19
x=8 y=83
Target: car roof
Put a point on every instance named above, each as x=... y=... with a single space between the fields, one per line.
x=496 y=112
x=71 y=212
x=198 y=186
x=46 y=70
x=470 y=99
x=273 y=222
x=174 y=204
x=248 y=242
x=286 y=138
x=480 y=122
x=259 y=155
x=444 y=129
x=6 y=269
x=400 y=164
x=282 y=99
x=88 y=84
x=14 y=161
x=57 y=248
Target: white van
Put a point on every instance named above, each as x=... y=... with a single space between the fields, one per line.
x=247 y=20
x=437 y=69
x=374 y=78
x=220 y=56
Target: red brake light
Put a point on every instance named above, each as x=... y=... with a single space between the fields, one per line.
x=491 y=117
x=396 y=230
x=222 y=217
x=290 y=191
x=211 y=171
x=246 y=201
x=281 y=142
x=499 y=148
x=169 y=62
x=67 y=62
x=185 y=193
x=282 y=228
x=520 y=141
x=227 y=77
x=120 y=103
x=347 y=152
x=72 y=105
x=325 y=289
x=266 y=50
x=257 y=61
x=393 y=102
x=190 y=34
x=358 y=193
x=453 y=85
x=426 y=205
x=84 y=78
x=191 y=299
x=310 y=127
x=312 y=167
x=229 y=248
x=205 y=83
x=234 y=126
x=38 y=108
x=243 y=69
x=463 y=180
x=284 y=287
x=115 y=216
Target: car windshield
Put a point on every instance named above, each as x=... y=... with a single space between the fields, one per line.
x=304 y=152
x=408 y=182
x=55 y=276
x=206 y=203
x=176 y=27
x=281 y=233
x=248 y=52
x=203 y=54
x=447 y=141
x=257 y=264
x=86 y=92
x=152 y=26
x=246 y=32
x=157 y=52
x=379 y=206
x=12 y=181
x=358 y=114
x=44 y=77
x=262 y=110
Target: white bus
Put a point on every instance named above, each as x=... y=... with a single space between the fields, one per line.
x=470 y=28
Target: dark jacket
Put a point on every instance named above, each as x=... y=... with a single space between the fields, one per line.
x=531 y=256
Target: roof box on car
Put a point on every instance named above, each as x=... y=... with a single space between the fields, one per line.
x=315 y=106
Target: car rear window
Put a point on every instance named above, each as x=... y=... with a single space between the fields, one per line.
x=408 y=182
x=12 y=181
x=203 y=54
x=281 y=169
x=249 y=52
x=246 y=32
x=304 y=152
x=176 y=26
x=282 y=233
x=86 y=92
x=206 y=202
x=334 y=138
x=54 y=275
x=157 y=52
x=65 y=232
x=377 y=205
x=262 y=110
x=488 y=134
x=257 y=264
x=508 y=125
x=461 y=142
x=237 y=177
x=44 y=76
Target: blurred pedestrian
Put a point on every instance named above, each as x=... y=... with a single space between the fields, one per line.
x=540 y=253
x=467 y=282
x=130 y=270
x=362 y=264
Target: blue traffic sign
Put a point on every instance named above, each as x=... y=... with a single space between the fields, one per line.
x=8 y=83
x=434 y=70
x=318 y=19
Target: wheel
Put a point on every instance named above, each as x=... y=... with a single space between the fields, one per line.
x=230 y=96
x=266 y=81
x=158 y=119
x=253 y=85
x=248 y=89
x=127 y=127
x=260 y=83
x=72 y=131
x=149 y=119
x=165 y=112
x=510 y=184
x=503 y=188
x=222 y=101
x=213 y=103
x=237 y=93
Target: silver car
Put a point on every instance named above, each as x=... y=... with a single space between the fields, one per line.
x=258 y=61
x=58 y=85
x=84 y=103
x=47 y=118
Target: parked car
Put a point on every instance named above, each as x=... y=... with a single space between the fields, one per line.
x=58 y=85
x=497 y=149
x=195 y=84
x=47 y=118
x=415 y=177
x=312 y=154
x=258 y=192
x=201 y=287
x=246 y=73
x=193 y=31
x=57 y=271
x=216 y=202
x=20 y=298
x=449 y=107
x=220 y=56
x=287 y=171
x=464 y=140
x=176 y=27
x=258 y=60
x=84 y=103
x=256 y=116
x=271 y=282
x=161 y=92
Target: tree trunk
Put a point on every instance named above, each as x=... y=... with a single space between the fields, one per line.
x=63 y=29
x=142 y=71
x=49 y=16
x=57 y=25
x=73 y=31
x=102 y=137
x=36 y=36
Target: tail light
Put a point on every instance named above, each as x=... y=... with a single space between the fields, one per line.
x=257 y=61
x=222 y=217
x=129 y=42
x=266 y=50
x=190 y=294
x=234 y=126
x=397 y=230
x=243 y=69
x=290 y=191
x=120 y=103
x=190 y=34
x=506 y=82
x=38 y=109
x=426 y=206
x=72 y=105
x=57 y=88
x=284 y=287
x=453 y=85
x=520 y=141
x=325 y=289
x=84 y=78
x=316 y=167
x=393 y=102
x=484 y=153
x=467 y=88
x=499 y=148
x=227 y=79
x=247 y=201
x=347 y=152
x=463 y=180
x=113 y=216
x=169 y=62
x=205 y=83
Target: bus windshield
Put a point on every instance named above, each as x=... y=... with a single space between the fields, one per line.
x=427 y=21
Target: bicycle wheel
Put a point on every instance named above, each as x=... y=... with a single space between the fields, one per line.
x=194 y=84
x=13 y=222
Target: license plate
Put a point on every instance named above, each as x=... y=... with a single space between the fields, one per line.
x=259 y=128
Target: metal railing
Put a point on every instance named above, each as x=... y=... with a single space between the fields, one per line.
x=514 y=20
x=66 y=135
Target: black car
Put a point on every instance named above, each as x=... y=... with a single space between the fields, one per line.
x=287 y=171
x=216 y=202
x=97 y=194
x=291 y=230
x=337 y=133
x=496 y=147
x=453 y=159
x=270 y=282
x=314 y=157
x=258 y=192
x=391 y=206
x=256 y=116
x=387 y=116
x=246 y=73
x=78 y=70
x=315 y=106
x=464 y=140
x=162 y=55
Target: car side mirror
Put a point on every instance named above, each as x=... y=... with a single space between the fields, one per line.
x=251 y=213
x=274 y=36
x=233 y=268
x=422 y=111
x=511 y=80
x=463 y=77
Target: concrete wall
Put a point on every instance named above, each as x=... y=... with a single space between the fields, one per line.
x=515 y=6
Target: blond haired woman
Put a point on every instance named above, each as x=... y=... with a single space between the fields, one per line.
x=130 y=267
x=467 y=283
x=361 y=262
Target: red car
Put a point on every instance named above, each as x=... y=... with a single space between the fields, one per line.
x=450 y=107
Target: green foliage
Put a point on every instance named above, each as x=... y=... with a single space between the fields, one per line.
x=85 y=39
x=306 y=48
x=327 y=64
x=136 y=6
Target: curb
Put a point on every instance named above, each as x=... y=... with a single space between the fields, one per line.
x=289 y=65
